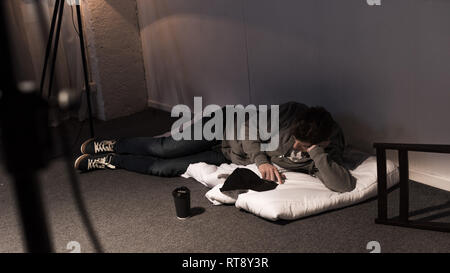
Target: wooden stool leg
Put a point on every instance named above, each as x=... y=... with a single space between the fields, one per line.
x=382 y=185
x=404 y=185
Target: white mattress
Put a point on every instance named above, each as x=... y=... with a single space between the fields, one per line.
x=301 y=195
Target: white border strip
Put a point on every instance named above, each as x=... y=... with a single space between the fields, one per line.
x=439 y=182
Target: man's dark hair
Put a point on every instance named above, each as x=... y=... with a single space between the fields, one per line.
x=314 y=125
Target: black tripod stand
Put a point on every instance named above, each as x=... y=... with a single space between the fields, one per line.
x=55 y=31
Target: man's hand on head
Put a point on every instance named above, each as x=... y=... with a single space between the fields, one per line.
x=322 y=144
x=270 y=172
x=311 y=148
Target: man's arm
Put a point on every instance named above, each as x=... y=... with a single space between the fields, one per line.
x=268 y=171
x=329 y=163
x=252 y=148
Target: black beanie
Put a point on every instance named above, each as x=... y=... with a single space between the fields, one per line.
x=245 y=179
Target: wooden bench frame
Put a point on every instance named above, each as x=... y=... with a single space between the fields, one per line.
x=403 y=219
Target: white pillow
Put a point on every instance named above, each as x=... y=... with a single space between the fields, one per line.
x=301 y=195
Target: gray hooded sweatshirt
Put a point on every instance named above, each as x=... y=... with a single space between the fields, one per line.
x=323 y=163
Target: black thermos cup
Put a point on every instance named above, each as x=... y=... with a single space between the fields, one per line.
x=182 y=198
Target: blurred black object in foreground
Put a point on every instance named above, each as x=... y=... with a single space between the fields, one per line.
x=26 y=142
x=25 y=137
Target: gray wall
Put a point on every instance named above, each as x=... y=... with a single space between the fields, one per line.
x=194 y=48
x=383 y=71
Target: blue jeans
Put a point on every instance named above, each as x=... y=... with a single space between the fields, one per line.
x=165 y=156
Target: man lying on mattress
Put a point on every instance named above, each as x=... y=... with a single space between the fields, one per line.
x=310 y=141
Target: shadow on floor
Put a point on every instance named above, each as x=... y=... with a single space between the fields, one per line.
x=444 y=206
x=197 y=211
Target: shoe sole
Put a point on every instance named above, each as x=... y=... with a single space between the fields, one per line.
x=83 y=146
x=77 y=162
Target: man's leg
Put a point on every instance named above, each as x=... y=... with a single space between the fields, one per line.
x=165 y=147
x=162 y=147
x=165 y=167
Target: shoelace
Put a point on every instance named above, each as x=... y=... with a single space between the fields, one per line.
x=104 y=146
x=100 y=163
